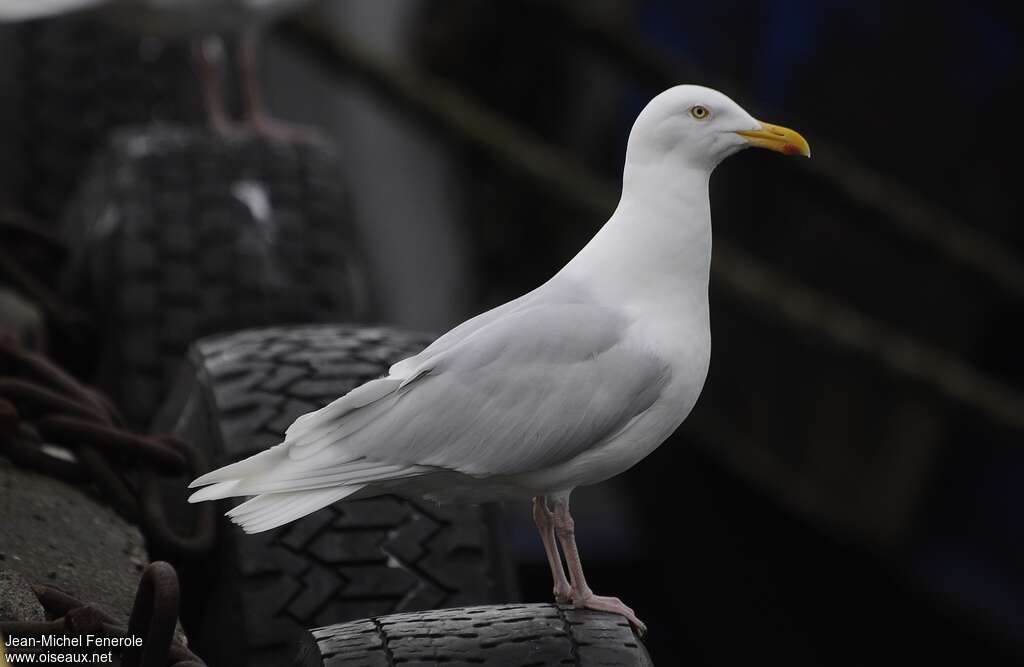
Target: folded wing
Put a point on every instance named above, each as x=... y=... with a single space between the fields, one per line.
x=531 y=388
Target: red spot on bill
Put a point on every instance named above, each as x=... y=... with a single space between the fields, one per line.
x=790 y=149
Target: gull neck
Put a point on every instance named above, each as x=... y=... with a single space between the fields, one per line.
x=656 y=247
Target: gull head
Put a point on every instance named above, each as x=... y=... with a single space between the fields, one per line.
x=698 y=127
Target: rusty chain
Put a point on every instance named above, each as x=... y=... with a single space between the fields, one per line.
x=153 y=619
x=41 y=406
x=47 y=249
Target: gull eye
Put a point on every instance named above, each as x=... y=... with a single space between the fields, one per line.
x=699 y=112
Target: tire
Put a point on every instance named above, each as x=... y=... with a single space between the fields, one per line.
x=237 y=395
x=178 y=234
x=502 y=636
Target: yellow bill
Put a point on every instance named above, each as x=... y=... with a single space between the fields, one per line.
x=778 y=138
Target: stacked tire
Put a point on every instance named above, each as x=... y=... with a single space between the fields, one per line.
x=178 y=233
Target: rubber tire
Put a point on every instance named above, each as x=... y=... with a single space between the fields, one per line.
x=502 y=636
x=179 y=233
x=378 y=556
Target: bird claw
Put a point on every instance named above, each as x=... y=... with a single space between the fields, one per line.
x=563 y=595
x=612 y=605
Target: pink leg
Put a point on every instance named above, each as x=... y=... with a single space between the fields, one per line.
x=208 y=54
x=582 y=596
x=543 y=519
x=261 y=121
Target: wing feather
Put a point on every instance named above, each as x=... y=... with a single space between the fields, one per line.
x=534 y=388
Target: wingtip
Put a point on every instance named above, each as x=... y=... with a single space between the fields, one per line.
x=204 y=480
x=196 y=498
x=214 y=492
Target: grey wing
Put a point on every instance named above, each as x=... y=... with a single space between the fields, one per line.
x=457 y=334
x=528 y=390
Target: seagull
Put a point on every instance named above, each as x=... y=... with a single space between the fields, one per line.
x=568 y=385
x=197 y=21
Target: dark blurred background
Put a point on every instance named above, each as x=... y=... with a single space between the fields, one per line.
x=850 y=487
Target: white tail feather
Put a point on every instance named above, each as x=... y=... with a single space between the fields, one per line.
x=216 y=491
x=359 y=472
x=318 y=480
x=290 y=481
x=254 y=465
x=271 y=510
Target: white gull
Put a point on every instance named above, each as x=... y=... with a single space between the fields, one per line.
x=568 y=385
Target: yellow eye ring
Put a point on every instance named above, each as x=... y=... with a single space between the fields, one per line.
x=699 y=112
